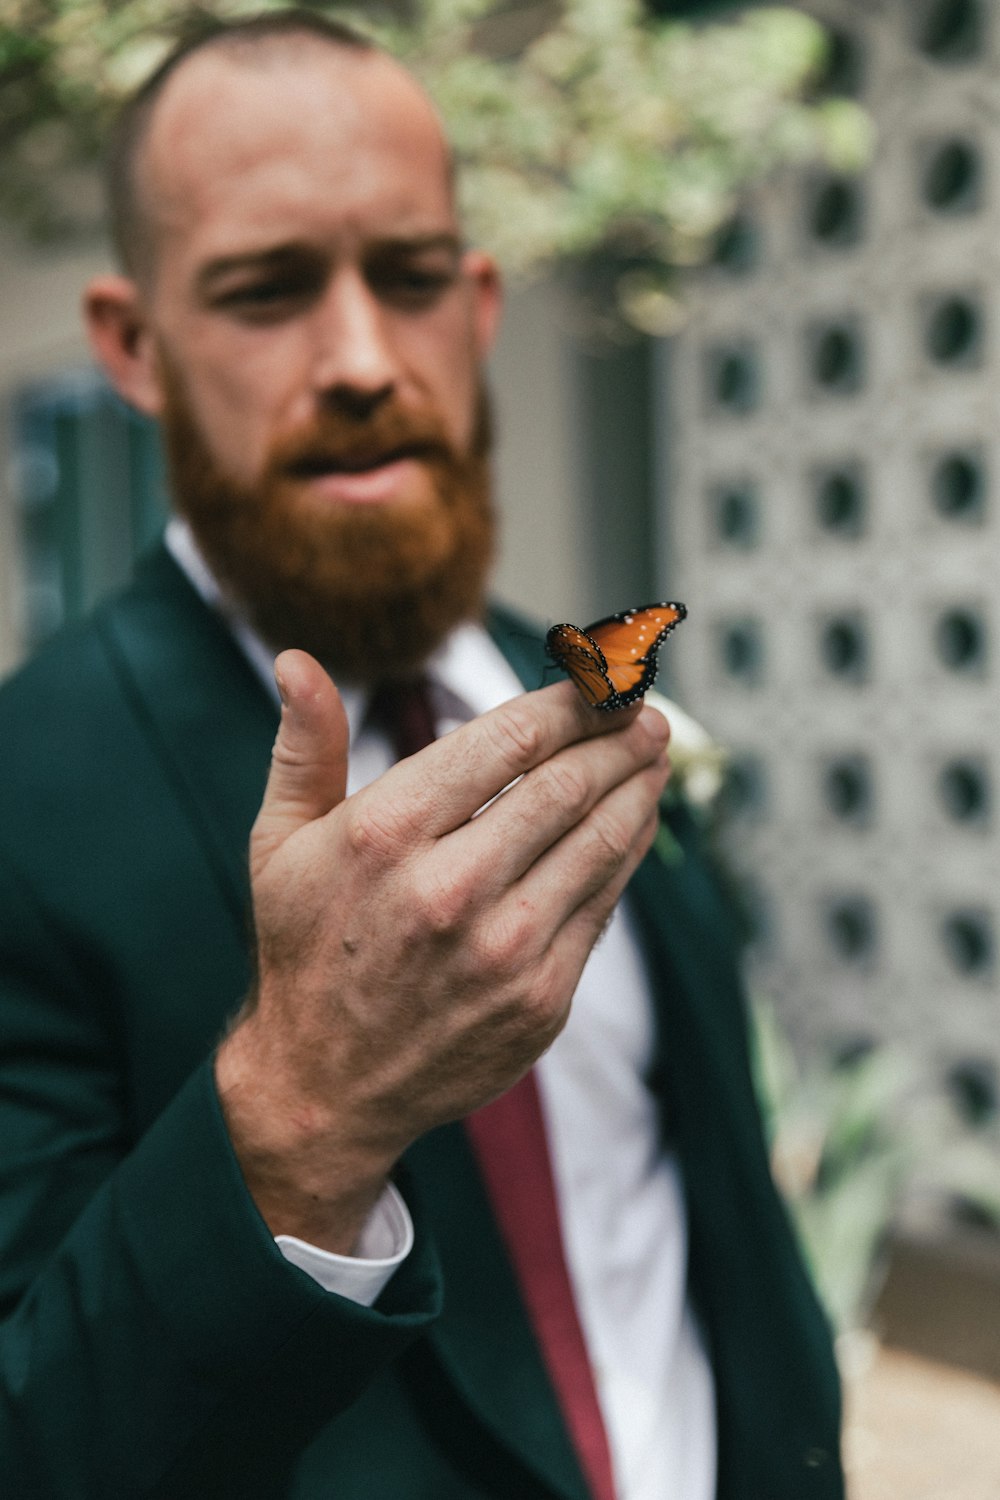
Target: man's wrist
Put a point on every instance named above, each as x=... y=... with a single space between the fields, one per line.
x=385 y=1240
x=303 y=1179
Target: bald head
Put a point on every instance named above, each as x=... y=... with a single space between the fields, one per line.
x=268 y=71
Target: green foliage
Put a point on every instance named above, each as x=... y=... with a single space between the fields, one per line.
x=854 y=1138
x=582 y=129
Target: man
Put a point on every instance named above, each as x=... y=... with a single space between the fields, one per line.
x=293 y=1262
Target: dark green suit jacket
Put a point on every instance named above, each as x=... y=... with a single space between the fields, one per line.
x=155 y=1342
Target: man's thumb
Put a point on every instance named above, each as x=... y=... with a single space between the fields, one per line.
x=308 y=773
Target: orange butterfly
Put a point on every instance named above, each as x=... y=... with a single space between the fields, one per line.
x=613 y=661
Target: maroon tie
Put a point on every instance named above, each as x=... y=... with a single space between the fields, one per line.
x=509 y=1142
x=402 y=710
x=508 y=1138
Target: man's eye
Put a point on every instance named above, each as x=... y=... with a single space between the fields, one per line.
x=263 y=298
x=413 y=286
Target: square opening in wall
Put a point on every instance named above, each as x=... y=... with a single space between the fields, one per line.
x=953 y=329
x=950 y=32
x=835 y=356
x=950 y=175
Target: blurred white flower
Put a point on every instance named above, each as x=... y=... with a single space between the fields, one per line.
x=698 y=761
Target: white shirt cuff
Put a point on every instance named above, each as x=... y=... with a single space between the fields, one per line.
x=383 y=1244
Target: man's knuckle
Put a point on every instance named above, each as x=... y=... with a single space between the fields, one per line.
x=519 y=734
x=567 y=785
x=500 y=949
x=544 y=1008
x=609 y=839
x=439 y=905
x=289 y=756
x=374 y=833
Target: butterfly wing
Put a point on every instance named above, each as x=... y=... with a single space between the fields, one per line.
x=629 y=642
x=583 y=661
x=613 y=661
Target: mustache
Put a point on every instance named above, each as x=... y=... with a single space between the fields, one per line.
x=333 y=442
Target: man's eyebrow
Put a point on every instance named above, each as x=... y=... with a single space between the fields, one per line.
x=276 y=256
x=416 y=244
x=251 y=260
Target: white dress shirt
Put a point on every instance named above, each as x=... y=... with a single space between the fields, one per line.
x=620 y=1201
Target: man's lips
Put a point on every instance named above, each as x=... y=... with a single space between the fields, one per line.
x=362 y=479
x=318 y=465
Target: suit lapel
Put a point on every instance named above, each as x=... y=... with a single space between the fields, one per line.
x=520 y=642
x=204 y=709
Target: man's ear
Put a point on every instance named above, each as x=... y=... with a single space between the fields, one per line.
x=483 y=274
x=122 y=341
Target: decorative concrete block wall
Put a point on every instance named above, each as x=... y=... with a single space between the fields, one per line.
x=833 y=410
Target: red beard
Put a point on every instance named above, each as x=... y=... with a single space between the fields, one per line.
x=371 y=590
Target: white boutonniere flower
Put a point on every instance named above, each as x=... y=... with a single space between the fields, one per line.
x=698 y=768
x=698 y=762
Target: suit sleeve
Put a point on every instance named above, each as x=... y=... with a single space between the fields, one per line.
x=154 y=1340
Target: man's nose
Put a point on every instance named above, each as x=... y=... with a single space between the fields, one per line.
x=354 y=362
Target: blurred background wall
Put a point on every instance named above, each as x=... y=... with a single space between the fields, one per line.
x=829 y=484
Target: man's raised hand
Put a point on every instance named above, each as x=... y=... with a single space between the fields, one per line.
x=414 y=958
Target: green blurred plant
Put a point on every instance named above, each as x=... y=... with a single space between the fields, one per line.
x=582 y=129
x=856 y=1135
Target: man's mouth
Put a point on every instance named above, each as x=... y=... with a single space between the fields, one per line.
x=363 y=477
x=318 y=465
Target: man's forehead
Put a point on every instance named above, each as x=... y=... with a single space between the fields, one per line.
x=295 y=120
